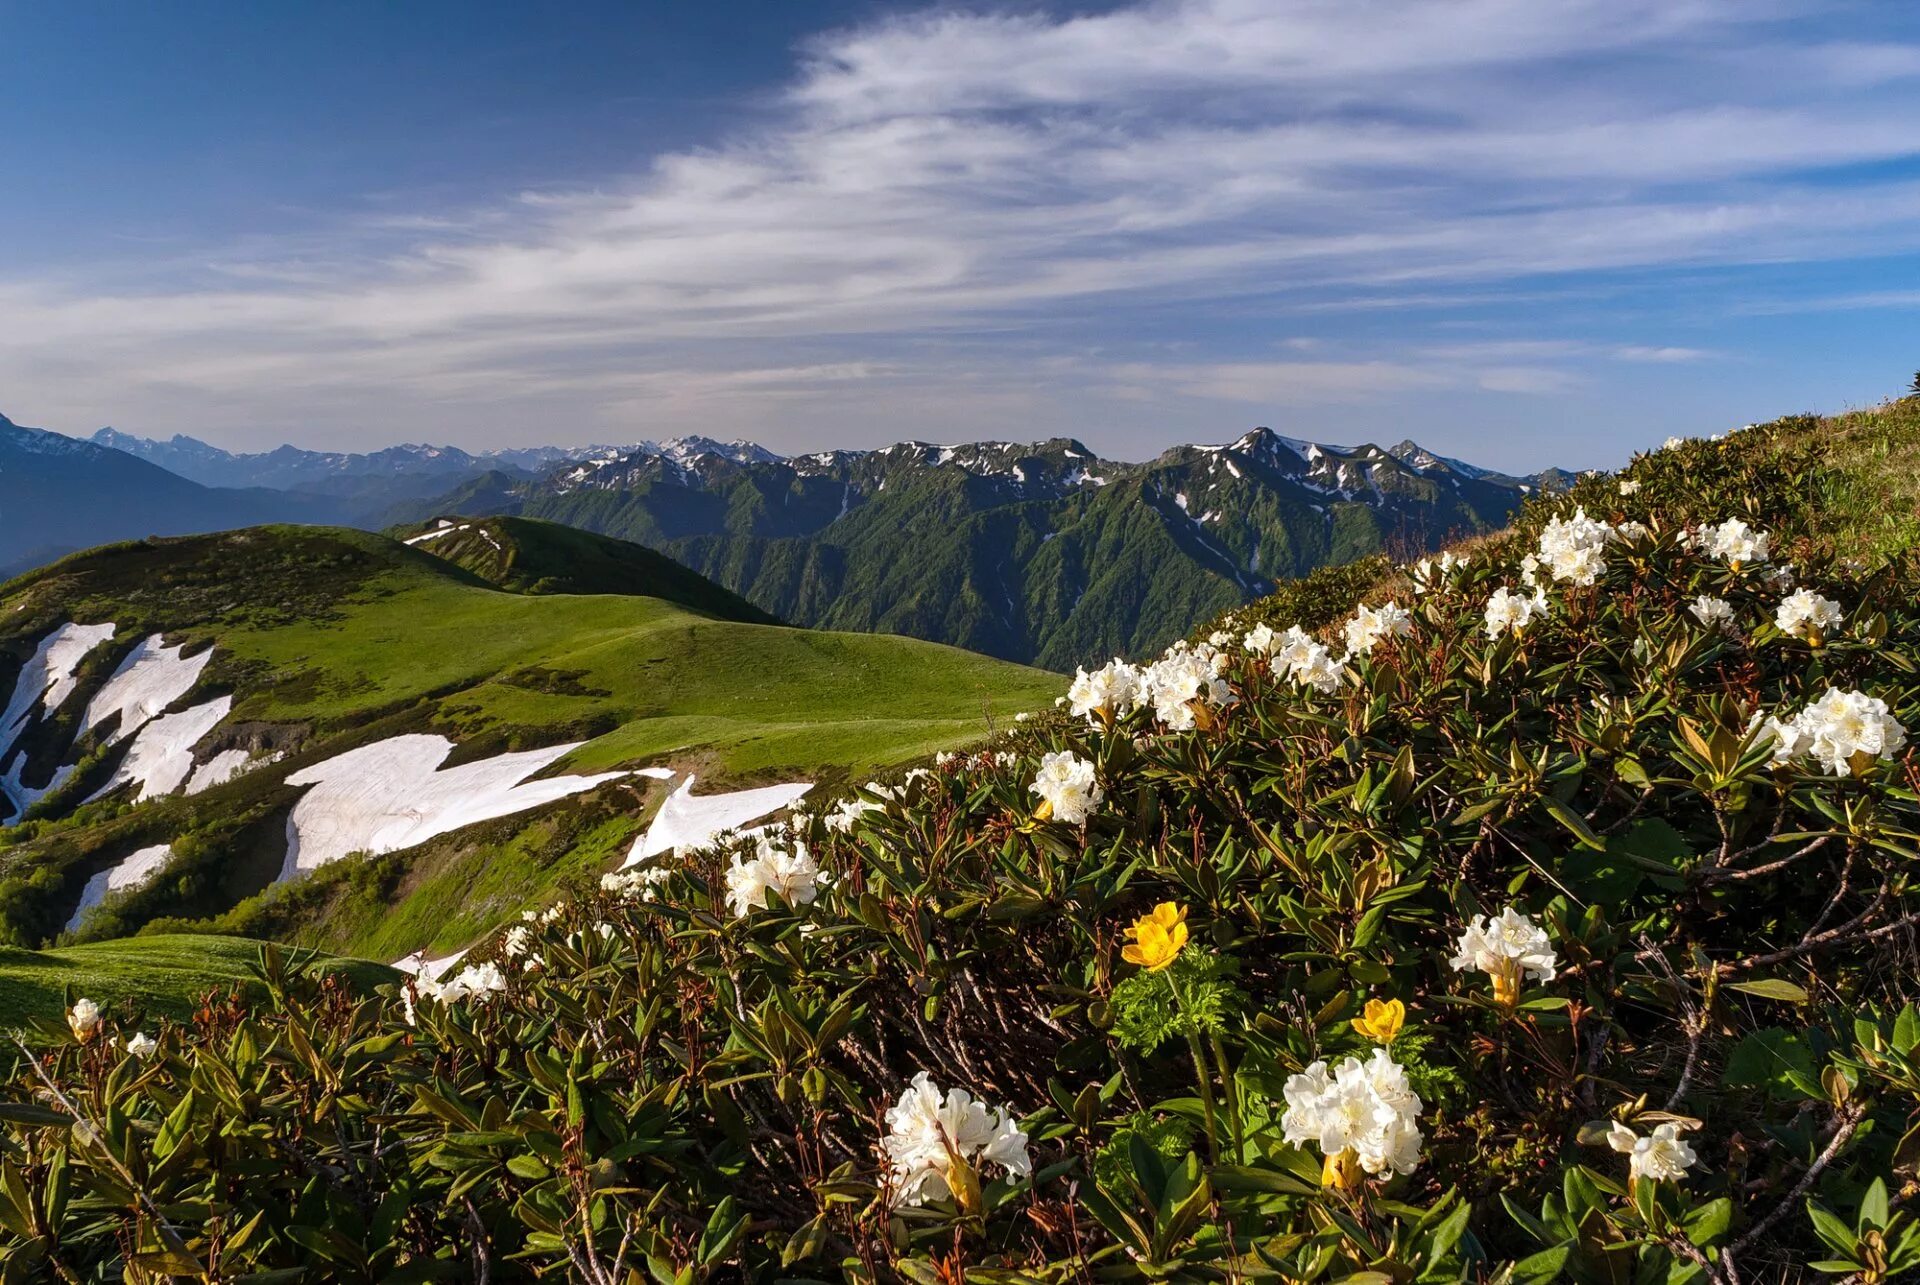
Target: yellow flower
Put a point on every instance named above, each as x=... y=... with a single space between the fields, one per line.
x=1381 y=1021
x=1157 y=937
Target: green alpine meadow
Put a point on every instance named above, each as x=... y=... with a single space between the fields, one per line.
x=1536 y=909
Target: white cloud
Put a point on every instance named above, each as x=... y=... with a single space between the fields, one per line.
x=1017 y=181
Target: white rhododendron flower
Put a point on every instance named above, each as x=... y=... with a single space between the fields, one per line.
x=1065 y=784
x=643 y=882
x=1841 y=725
x=1673 y=442
x=1510 y=612
x=141 y=1044
x=1178 y=681
x=1788 y=741
x=1713 y=613
x=1306 y=660
x=1660 y=1156
x=1628 y=487
x=927 y=1135
x=1111 y=690
x=1777 y=578
x=83 y=1019
x=1507 y=947
x=1260 y=640
x=1573 y=548
x=1806 y=614
x=477 y=983
x=773 y=869
x=1430 y=574
x=1736 y=543
x=1363 y=1111
x=847 y=815
x=1631 y=530
x=1370 y=625
x=519 y=939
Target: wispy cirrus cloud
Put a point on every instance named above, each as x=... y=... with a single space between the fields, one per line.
x=1013 y=213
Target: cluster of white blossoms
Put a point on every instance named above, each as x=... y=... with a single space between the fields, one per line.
x=643 y=882
x=1735 y=543
x=1364 y=1113
x=792 y=873
x=1510 y=612
x=476 y=983
x=83 y=1019
x=849 y=813
x=1835 y=730
x=1659 y=1156
x=1431 y=574
x=1298 y=655
x=1628 y=487
x=1713 y=613
x=1673 y=443
x=1372 y=625
x=1807 y=615
x=1065 y=784
x=1108 y=692
x=1574 y=549
x=1508 y=948
x=928 y=1135
x=1184 y=681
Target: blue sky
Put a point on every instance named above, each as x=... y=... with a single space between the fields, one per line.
x=1521 y=231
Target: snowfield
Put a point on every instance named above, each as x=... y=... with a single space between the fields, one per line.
x=46 y=680
x=152 y=677
x=393 y=794
x=129 y=872
x=161 y=756
x=220 y=769
x=23 y=796
x=687 y=820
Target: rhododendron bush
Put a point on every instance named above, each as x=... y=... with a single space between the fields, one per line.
x=1541 y=914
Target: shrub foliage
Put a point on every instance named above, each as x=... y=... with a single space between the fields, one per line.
x=655 y=1087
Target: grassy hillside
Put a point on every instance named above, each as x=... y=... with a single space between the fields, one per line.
x=1558 y=927
x=329 y=639
x=166 y=976
x=525 y=555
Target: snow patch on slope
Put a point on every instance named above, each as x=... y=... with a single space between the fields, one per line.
x=130 y=872
x=221 y=768
x=161 y=756
x=393 y=794
x=23 y=796
x=152 y=677
x=687 y=821
x=46 y=680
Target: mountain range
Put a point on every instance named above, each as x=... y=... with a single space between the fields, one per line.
x=58 y=494
x=1042 y=553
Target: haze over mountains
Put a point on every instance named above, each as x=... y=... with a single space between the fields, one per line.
x=1038 y=552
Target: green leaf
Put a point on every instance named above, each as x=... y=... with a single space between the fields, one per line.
x=1772 y=988
x=1774 y=1059
x=1572 y=820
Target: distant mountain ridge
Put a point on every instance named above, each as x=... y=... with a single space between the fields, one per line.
x=294 y=468
x=1040 y=552
x=59 y=493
